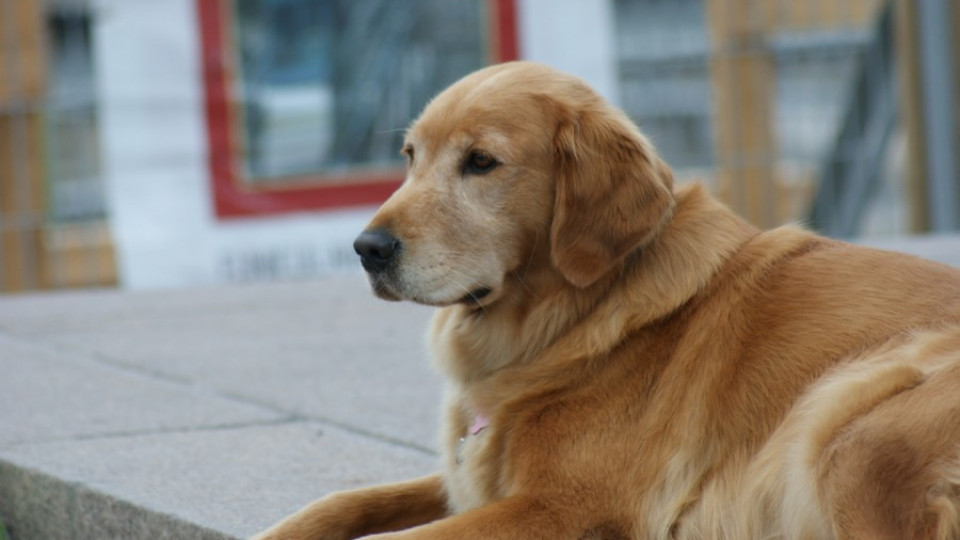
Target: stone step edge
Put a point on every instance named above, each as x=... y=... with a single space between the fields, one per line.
x=38 y=506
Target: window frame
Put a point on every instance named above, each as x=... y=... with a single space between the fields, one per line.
x=235 y=197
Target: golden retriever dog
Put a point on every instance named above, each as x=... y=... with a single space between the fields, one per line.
x=629 y=359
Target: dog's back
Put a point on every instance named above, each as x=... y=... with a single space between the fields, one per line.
x=831 y=398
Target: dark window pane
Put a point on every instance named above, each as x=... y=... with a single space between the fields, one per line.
x=327 y=86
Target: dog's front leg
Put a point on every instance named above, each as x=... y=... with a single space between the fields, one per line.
x=529 y=518
x=351 y=514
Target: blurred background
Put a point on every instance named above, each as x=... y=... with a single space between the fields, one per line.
x=172 y=143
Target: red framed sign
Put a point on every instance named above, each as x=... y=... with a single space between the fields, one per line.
x=306 y=100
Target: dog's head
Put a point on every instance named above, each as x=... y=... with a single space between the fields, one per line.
x=510 y=163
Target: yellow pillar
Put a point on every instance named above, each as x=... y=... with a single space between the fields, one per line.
x=743 y=73
x=22 y=88
x=911 y=112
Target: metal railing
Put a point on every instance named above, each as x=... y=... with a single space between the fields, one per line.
x=853 y=166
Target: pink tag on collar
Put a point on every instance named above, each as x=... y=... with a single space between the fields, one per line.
x=480 y=422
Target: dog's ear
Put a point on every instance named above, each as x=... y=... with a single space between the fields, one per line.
x=613 y=192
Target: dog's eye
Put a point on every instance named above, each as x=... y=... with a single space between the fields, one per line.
x=479 y=162
x=408 y=152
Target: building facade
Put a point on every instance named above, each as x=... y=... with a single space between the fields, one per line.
x=171 y=143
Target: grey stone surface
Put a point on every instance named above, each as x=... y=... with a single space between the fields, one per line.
x=48 y=394
x=287 y=346
x=206 y=413
x=235 y=481
x=38 y=505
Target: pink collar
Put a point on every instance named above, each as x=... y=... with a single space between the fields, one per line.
x=480 y=422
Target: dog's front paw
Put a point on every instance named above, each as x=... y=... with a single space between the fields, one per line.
x=297 y=528
x=325 y=519
x=285 y=531
x=280 y=532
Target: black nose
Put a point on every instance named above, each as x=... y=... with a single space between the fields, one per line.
x=376 y=249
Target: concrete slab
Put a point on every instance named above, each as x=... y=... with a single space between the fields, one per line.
x=233 y=482
x=205 y=413
x=38 y=505
x=50 y=395
x=288 y=347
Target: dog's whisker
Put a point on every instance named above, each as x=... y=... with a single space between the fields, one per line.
x=389 y=131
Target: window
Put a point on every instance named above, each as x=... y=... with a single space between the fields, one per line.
x=74 y=181
x=307 y=100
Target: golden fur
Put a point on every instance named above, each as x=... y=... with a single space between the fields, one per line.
x=651 y=365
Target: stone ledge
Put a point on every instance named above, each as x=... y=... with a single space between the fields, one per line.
x=208 y=413
x=37 y=505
